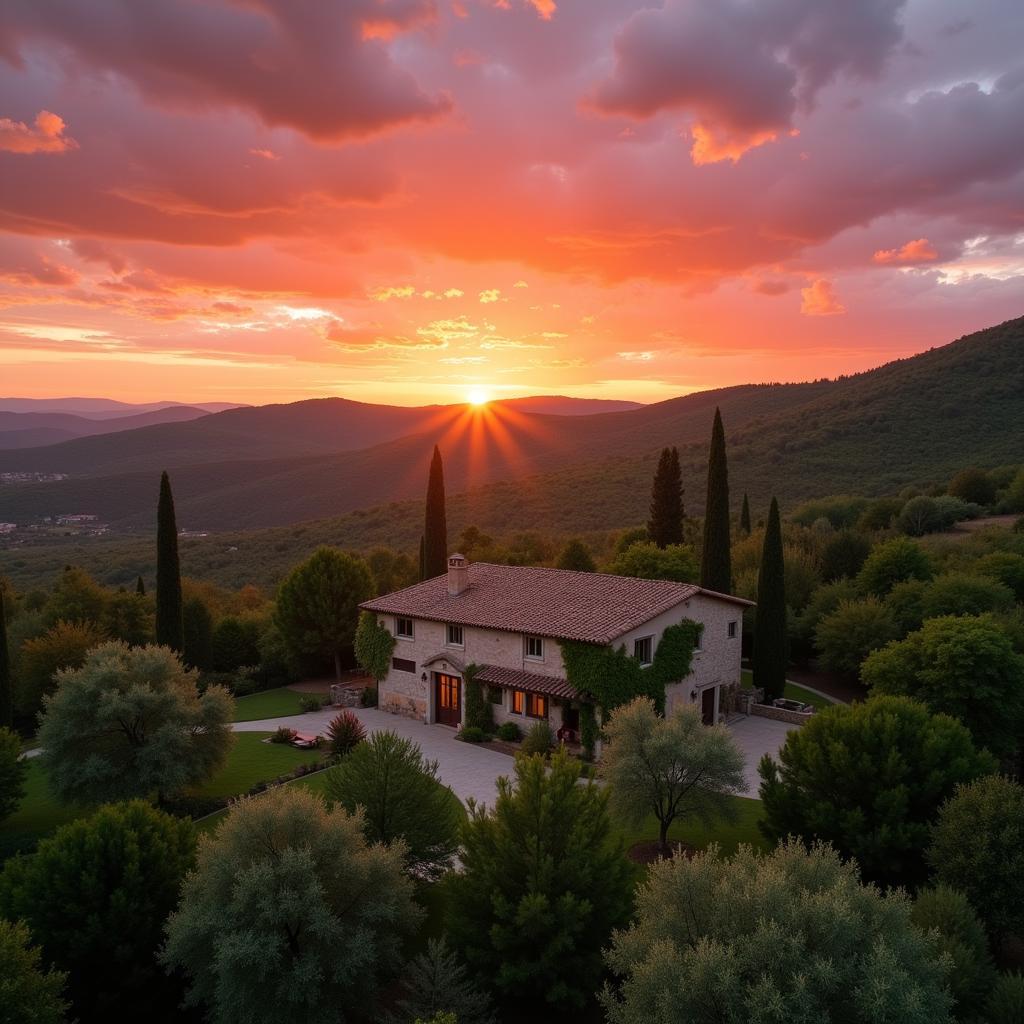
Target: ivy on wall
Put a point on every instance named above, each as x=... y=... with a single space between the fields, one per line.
x=479 y=713
x=373 y=646
x=612 y=677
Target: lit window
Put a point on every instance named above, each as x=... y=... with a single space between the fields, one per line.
x=535 y=648
x=536 y=705
x=454 y=636
x=642 y=649
x=403 y=628
x=517 y=702
x=732 y=630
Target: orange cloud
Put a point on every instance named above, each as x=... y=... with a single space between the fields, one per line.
x=819 y=299
x=918 y=251
x=711 y=146
x=545 y=8
x=46 y=137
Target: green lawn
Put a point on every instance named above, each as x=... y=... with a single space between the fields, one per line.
x=728 y=834
x=250 y=761
x=793 y=692
x=268 y=704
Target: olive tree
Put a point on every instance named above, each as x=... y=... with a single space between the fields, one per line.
x=792 y=935
x=131 y=723
x=289 y=915
x=670 y=767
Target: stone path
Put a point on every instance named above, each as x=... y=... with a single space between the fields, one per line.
x=472 y=770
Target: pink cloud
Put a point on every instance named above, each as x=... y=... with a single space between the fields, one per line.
x=819 y=299
x=920 y=250
x=46 y=137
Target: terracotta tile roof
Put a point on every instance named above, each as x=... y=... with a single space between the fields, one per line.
x=590 y=606
x=513 y=678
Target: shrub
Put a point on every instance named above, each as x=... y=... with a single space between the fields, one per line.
x=344 y=732
x=368 y=698
x=282 y=734
x=509 y=732
x=311 y=703
x=402 y=799
x=893 y=562
x=787 y=936
x=1006 y=1001
x=539 y=740
x=95 y=896
x=479 y=710
x=850 y=633
x=973 y=485
x=31 y=994
x=962 y=936
x=544 y=883
x=300 y=925
x=978 y=848
x=12 y=773
x=472 y=734
x=844 y=555
x=869 y=778
x=435 y=982
x=959 y=593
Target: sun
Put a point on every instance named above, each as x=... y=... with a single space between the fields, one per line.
x=478 y=396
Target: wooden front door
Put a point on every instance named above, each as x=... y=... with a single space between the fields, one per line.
x=707 y=705
x=448 y=696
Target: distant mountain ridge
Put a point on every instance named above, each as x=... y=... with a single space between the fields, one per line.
x=102 y=408
x=912 y=421
x=34 y=429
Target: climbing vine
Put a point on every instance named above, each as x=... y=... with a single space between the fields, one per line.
x=612 y=678
x=479 y=712
x=373 y=646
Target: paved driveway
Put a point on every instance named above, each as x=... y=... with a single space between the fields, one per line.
x=472 y=770
x=756 y=737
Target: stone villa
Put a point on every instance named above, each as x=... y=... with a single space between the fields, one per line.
x=509 y=620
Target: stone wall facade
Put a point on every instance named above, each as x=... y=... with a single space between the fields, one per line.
x=780 y=714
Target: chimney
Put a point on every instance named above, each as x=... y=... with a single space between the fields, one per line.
x=458 y=574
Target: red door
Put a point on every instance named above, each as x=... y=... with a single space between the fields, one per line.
x=707 y=705
x=448 y=694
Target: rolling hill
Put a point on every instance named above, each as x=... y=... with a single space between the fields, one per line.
x=913 y=421
x=34 y=429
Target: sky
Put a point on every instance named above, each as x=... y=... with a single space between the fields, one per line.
x=413 y=201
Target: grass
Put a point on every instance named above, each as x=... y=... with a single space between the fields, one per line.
x=793 y=692
x=728 y=834
x=250 y=761
x=278 y=703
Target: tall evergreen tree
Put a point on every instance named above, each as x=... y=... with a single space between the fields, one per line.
x=665 y=526
x=716 y=558
x=435 y=534
x=745 y=516
x=140 y=587
x=770 y=653
x=170 y=630
x=6 y=685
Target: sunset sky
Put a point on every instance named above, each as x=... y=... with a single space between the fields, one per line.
x=406 y=200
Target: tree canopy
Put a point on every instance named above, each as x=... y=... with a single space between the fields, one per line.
x=893 y=562
x=665 y=525
x=318 y=604
x=169 y=624
x=131 y=723
x=716 y=557
x=543 y=884
x=869 y=778
x=791 y=935
x=673 y=766
x=646 y=560
x=770 y=634
x=576 y=556
x=402 y=799
x=30 y=993
x=435 y=529
x=290 y=915
x=964 y=666
x=12 y=773
x=95 y=896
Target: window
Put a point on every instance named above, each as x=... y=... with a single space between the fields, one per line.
x=535 y=648
x=496 y=695
x=403 y=628
x=698 y=644
x=403 y=665
x=454 y=636
x=536 y=705
x=732 y=630
x=643 y=649
x=517 y=702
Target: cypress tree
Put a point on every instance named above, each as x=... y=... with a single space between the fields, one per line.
x=745 y=516
x=770 y=647
x=666 y=523
x=435 y=534
x=716 y=558
x=6 y=684
x=170 y=630
x=140 y=587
